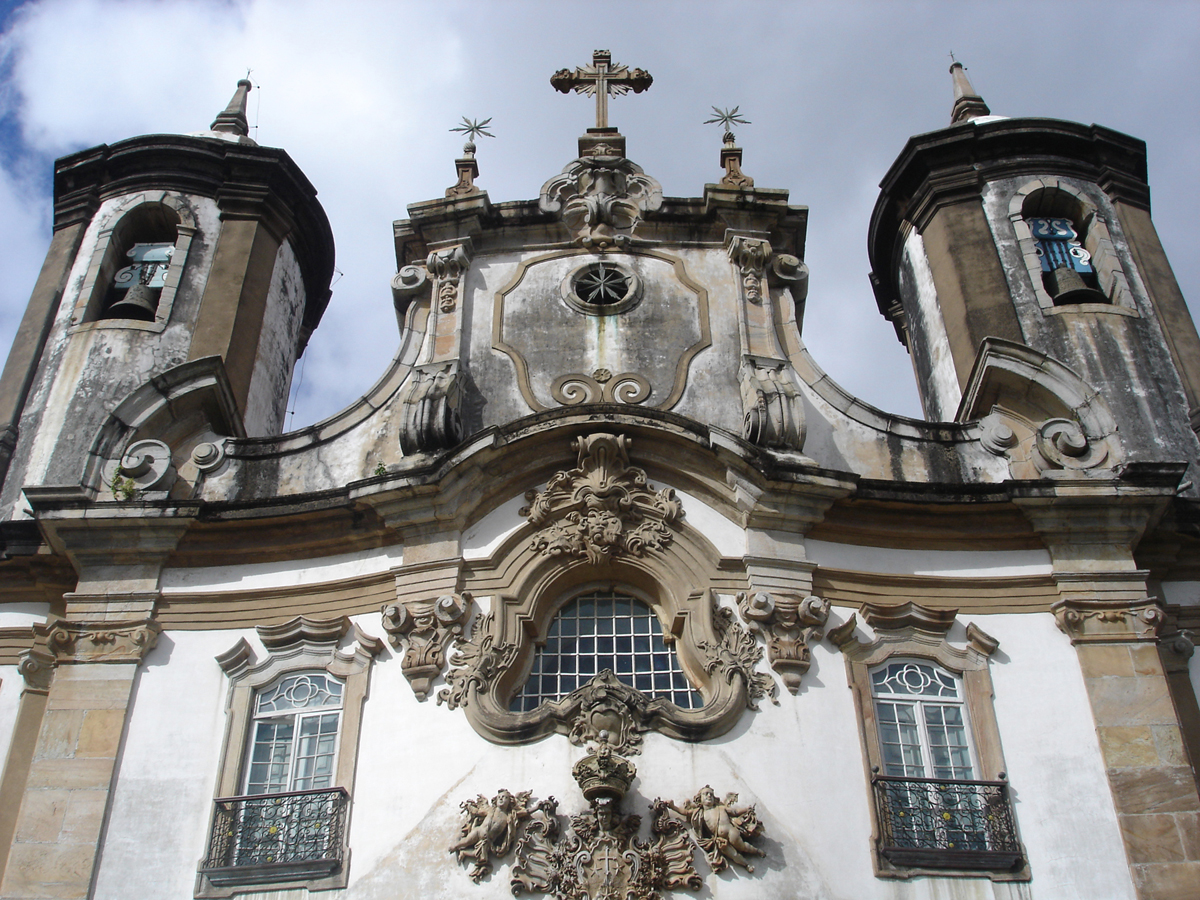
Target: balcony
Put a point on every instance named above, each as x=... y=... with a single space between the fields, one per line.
x=267 y=838
x=938 y=824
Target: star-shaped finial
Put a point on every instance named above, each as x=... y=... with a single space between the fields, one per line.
x=474 y=129
x=726 y=118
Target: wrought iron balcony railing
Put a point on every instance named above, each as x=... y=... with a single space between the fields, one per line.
x=935 y=823
x=273 y=837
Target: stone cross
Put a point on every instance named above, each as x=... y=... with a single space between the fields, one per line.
x=601 y=78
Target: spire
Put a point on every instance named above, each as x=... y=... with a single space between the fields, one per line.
x=968 y=105
x=233 y=119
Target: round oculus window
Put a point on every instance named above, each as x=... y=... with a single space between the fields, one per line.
x=602 y=289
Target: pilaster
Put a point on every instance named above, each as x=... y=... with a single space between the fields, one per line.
x=1106 y=611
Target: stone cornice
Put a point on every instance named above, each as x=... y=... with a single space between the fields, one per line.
x=1108 y=621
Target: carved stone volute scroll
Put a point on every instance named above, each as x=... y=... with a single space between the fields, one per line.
x=601 y=199
x=787 y=624
x=102 y=642
x=424 y=630
x=430 y=401
x=773 y=413
x=408 y=284
x=750 y=256
x=1108 y=621
x=603 y=508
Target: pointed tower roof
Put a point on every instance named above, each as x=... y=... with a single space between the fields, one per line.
x=968 y=105
x=232 y=119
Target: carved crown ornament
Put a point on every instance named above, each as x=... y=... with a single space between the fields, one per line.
x=600 y=855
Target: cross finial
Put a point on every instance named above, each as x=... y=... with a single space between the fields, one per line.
x=601 y=79
x=952 y=59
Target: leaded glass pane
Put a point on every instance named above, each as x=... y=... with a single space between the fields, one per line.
x=605 y=630
x=309 y=690
x=911 y=678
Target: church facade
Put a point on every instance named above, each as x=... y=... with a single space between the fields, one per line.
x=605 y=589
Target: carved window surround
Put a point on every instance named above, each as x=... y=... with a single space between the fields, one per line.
x=101 y=269
x=297 y=645
x=913 y=631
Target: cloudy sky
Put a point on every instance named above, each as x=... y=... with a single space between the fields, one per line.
x=362 y=95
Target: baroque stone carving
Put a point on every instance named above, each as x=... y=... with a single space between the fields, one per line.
x=424 y=629
x=750 y=255
x=1085 y=621
x=773 y=414
x=737 y=653
x=787 y=624
x=609 y=706
x=601 y=857
x=448 y=266
x=478 y=660
x=490 y=829
x=107 y=642
x=406 y=284
x=601 y=199
x=602 y=386
x=147 y=464
x=430 y=401
x=603 y=507
x=1062 y=444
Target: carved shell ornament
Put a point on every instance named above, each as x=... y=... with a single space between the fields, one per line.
x=602 y=508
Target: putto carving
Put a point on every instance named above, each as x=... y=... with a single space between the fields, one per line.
x=602 y=508
x=109 y=642
x=489 y=829
x=601 y=857
x=601 y=199
x=602 y=386
x=425 y=628
x=430 y=399
x=787 y=624
x=448 y=266
x=722 y=829
x=477 y=661
x=738 y=653
x=773 y=414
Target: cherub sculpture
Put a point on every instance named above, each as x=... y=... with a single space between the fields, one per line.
x=722 y=829
x=490 y=829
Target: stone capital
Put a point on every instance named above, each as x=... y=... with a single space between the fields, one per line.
x=125 y=641
x=1108 y=621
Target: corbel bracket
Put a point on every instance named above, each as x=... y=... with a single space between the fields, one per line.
x=787 y=624
x=424 y=629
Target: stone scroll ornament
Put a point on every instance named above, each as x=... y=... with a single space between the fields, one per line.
x=425 y=628
x=603 y=508
x=787 y=624
x=600 y=855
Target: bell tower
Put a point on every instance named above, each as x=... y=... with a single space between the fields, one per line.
x=1035 y=233
x=185 y=271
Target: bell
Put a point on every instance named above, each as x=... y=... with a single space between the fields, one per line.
x=140 y=302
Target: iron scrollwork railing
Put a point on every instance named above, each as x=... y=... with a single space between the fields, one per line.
x=270 y=837
x=938 y=823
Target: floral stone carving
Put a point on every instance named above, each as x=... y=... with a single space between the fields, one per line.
x=603 y=507
x=425 y=628
x=601 y=856
x=738 y=653
x=478 y=661
x=787 y=624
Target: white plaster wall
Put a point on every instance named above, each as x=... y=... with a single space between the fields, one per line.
x=158 y=825
x=11 y=685
x=945 y=563
x=251 y=576
x=947 y=393
x=267 y=399
x=801 y=762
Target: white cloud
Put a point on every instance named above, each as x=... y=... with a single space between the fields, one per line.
x=361 y=94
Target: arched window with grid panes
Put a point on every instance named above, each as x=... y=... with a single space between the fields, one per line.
x=606 y=630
